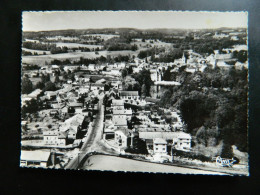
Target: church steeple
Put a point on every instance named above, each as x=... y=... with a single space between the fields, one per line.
x=183 y=58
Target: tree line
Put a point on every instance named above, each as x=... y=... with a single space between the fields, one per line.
x=213 y=104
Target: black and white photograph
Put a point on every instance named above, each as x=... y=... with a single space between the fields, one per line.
x=135 y=91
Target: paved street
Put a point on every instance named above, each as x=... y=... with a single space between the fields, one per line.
x=94 y=139
x=113 y=163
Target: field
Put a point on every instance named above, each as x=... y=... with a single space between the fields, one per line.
x=32 y=40
x=76 y=45
x=102 y=36
x=62 y=38
x=150 y=43
x=74 y=56
x=39 y=52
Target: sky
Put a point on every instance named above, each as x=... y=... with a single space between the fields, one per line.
x=59 y=20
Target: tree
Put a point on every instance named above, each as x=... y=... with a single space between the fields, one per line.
x=31 y=107
x=167 y=74
x=45 y=78
x=49 y=86
x=144 y=90
x=144 y=77
x=124 y=72
x=226 y=151
x=39 y=85
x=57 y=79
x=27 y=85
x=242 y=56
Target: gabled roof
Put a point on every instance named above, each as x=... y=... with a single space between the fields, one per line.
x=117 y=102
x=63 y=135
x=153 y=100
x=122 y=112
x=182 y=135
x=128 y=93
x=101 y=81
x=159 y=141
x=75 y=104
x=51 y=92
x=35 y=93
x=46 y=133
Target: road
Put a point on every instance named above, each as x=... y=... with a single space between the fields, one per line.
x=113 y=163
x=94 y=141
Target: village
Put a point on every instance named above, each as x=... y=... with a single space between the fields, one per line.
x=94 y=102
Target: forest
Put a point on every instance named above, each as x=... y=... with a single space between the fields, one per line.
x=213 y=105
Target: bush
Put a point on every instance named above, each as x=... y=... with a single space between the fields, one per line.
x=192 y=156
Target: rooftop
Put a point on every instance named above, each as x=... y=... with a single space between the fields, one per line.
x=117 y=102
x=159 y=141
x=35 y=155
x=128 y=93
x=122 y=112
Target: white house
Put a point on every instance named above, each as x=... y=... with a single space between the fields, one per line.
x=55 y=138
x=127 y=113
x=160 y=146
x=117 y=104
x=50 y=94
x=182 y=141
x=120 y=121
x=156 y=75
x=92 y=67
x=130 y=95
x=121 y=137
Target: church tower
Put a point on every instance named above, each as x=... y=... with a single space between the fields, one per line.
x=183 y=59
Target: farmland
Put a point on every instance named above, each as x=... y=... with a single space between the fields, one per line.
x=74 y=56
x=39 y=52
x=101 y=36
x=76 y=45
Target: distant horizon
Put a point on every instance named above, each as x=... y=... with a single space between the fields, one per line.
x=143 y=20
x=140 y=29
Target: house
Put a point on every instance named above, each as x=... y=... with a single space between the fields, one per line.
x=117 y=104
x=50 y=94
x=120 y=121
x=25 y=99
x=160 y=146
x=92 y=67
x=156 y=75
x=75 y=105
x=72 y=133
x=35 y=159
x=129 y=95
x=182 y=141
x=121 y=137
x=101 y=81
x=116 y=84
x=55 y=138
x=127 y=113
x=35 y=93
x=97 y=86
